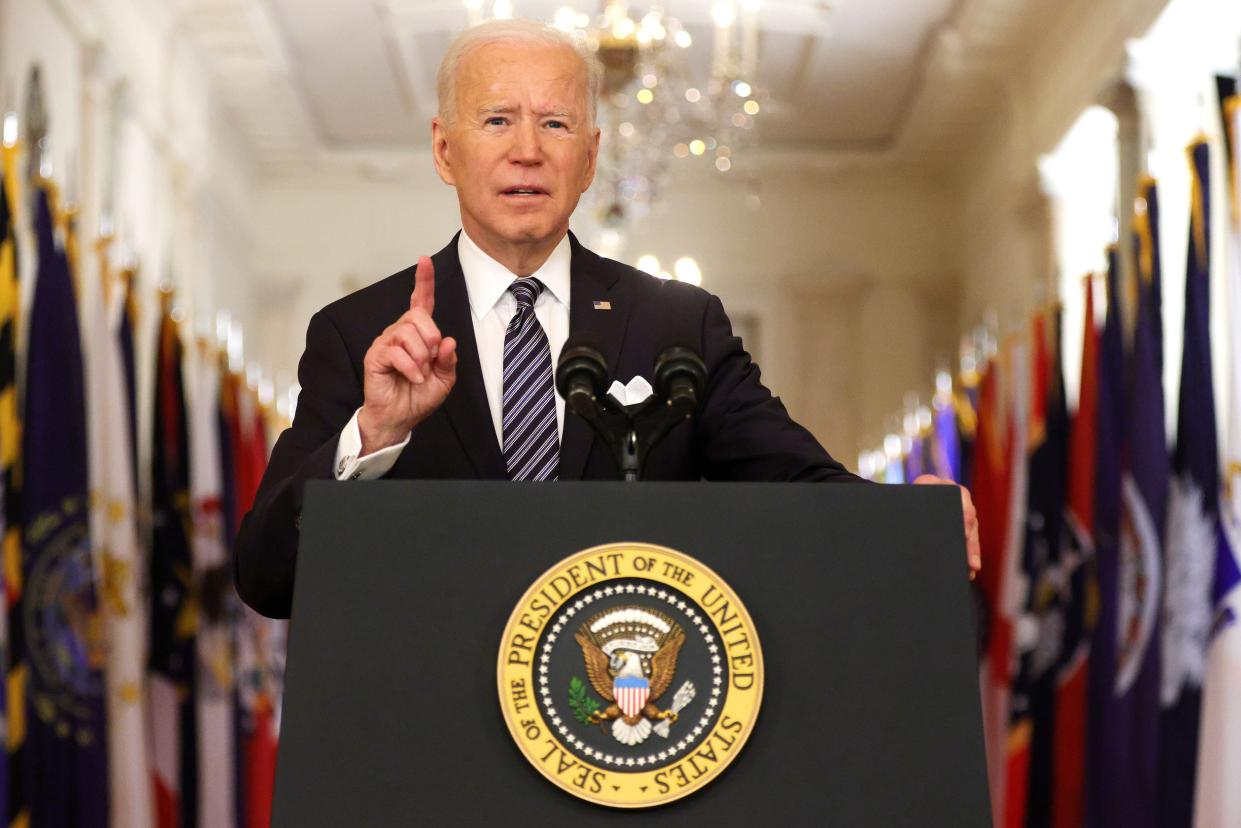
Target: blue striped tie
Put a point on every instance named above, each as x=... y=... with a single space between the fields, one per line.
x=531 y=443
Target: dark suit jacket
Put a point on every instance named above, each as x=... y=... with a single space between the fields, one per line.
x=741 y=431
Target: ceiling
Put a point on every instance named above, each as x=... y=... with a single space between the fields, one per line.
x=357 y=76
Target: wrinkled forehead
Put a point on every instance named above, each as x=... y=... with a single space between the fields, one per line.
x=494 y=72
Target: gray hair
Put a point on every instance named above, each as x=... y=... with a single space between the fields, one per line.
x=512 y=31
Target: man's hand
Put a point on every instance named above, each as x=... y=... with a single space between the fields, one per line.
x=408 y=370
x=973 y=551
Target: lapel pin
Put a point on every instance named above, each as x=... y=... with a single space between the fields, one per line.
x=599 y=305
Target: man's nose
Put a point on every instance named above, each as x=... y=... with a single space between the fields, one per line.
x=526 y=148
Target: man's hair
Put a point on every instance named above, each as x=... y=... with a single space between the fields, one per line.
x=512 y=31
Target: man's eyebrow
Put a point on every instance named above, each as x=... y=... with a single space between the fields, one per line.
x=506 y=109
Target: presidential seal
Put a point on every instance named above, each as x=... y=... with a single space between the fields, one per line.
x=630 y=675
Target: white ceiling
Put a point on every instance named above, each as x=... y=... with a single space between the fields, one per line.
x=347 y=76
x=842 y=72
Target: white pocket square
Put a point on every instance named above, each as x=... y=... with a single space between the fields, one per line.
x=635 y=392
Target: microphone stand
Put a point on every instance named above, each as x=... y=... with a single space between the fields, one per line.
x=631 y=431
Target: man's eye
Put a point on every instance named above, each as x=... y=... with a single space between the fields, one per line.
x=556 y=125
x=496 y=121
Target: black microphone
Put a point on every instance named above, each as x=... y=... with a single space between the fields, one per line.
x=680 y=377
x=581 y=372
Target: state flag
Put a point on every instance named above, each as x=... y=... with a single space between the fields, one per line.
x=1104 y=783
x=174 y=618
x=944 y=441
x=1194 y=529
x=1037 y=649
x=217 y=604
x=1068 y=797
x=11 y=720
x=1144 y=498
x=1217 y=797
x=114 y=534
x=65 y=780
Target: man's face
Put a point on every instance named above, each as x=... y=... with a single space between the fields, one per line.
x=520 y=150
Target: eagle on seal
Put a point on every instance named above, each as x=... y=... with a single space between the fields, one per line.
x=630 y=656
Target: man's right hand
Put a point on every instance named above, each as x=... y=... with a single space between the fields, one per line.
x=408 y=370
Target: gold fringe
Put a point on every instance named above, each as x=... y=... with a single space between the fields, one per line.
x=1196 y=202
x=1142 y=227
x=1232 y=111
x=17 y=706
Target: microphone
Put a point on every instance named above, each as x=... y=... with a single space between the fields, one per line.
x=680 y=377
x=581 y=372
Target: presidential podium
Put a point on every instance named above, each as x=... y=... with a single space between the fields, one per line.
x=857 y=594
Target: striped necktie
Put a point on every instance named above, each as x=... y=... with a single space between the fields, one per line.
x=531 y=443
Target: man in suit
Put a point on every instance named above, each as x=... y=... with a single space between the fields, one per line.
x=445 y=370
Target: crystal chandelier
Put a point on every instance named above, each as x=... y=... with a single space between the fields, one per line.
x=654 y=112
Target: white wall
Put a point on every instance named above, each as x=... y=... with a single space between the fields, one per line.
x=842 y=276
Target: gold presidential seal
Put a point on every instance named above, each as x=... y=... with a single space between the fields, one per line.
x=630 y=675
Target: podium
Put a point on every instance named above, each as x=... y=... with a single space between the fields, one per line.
x=870 y=710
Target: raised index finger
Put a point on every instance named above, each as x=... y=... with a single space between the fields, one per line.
x=423 y=295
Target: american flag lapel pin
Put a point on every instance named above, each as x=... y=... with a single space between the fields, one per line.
x=602 y=305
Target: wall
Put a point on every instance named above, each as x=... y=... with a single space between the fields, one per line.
x=844 y=276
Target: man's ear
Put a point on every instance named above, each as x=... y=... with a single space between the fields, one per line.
x=439 y=150
x=591 y=157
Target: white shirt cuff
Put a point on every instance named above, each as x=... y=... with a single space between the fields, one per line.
x=349 y=466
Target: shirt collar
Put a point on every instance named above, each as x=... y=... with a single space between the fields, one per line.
x=486 y=280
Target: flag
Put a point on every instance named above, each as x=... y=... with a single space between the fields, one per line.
x=915 y=461
x=228 y=431
x=174 y=616
x=966 y=401
x=126 y=324
x=114 y=534
x=1144 y=498
x=1103 y=724
x=999 y=482
x=65 y=762
x=1194 y=529
x=1037 y=648
x=945 y=439
x=260 y=646
x=10 y=453
x=990 y=501
x=1217 y=798
x=1068 y=804
x=216 y=609
x=1012 y=583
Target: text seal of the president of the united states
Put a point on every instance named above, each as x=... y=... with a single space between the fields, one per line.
x=630 y=675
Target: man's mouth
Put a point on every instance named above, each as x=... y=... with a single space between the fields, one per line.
x=524 y=191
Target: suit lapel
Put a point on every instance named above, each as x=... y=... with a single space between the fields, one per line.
x=591 y=282
x=466 y=406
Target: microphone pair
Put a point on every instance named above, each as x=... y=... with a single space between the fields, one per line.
x=630 y=431
x=581 y=373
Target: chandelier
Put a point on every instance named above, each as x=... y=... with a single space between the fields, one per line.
x=653 y=111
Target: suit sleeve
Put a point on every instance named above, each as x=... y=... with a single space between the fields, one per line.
x=265 y=552
x=744 y=432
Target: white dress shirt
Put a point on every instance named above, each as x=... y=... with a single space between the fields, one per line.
x=491 y=308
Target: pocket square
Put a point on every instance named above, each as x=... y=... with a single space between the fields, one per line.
x=637 y=390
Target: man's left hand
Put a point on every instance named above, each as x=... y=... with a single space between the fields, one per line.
x=973 y=551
